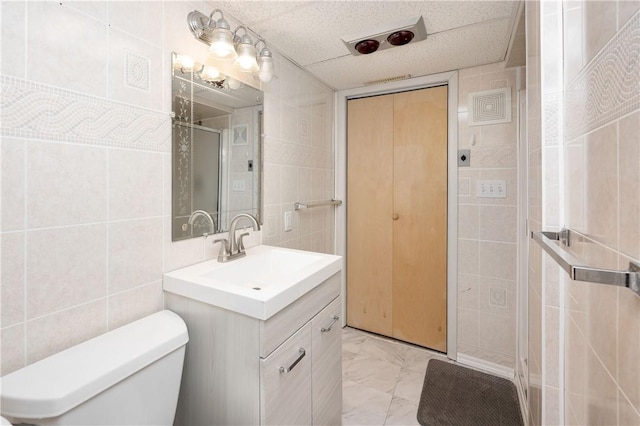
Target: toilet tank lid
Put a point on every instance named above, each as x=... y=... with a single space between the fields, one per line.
x=59 y=383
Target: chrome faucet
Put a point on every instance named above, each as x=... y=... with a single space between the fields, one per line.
x=207 y=216
x=235 y=249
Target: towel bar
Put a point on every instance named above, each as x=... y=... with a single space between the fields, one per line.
x=629 y=278
x=310 y=204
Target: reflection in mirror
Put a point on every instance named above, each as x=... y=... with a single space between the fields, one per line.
x=216 y=148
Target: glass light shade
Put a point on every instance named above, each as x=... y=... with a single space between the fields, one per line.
x=222 y=45
x=246 y=60
x=265 y=74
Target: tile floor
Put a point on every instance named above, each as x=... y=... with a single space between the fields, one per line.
x=381 y=379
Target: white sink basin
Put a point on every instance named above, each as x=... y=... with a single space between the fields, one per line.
x=259 y=285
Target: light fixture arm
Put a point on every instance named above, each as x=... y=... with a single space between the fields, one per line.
x=211 y=21
x=244 y=39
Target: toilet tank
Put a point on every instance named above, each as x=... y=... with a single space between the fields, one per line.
x=128 y=376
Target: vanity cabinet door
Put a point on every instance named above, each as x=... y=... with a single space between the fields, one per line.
x=285 y=382
x=326 y=350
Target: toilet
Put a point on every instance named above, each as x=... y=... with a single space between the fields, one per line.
x=128 y=376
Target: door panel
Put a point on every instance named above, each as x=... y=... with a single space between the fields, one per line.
x=370 y=195
x=420 y=205
x=397 y=216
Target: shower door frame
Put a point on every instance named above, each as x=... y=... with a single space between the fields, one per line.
x=451 y=80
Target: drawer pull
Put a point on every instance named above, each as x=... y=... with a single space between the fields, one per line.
x=302 y=354
x=335 y=318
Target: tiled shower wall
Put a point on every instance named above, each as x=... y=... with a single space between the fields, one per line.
x=586 y=181
x=487 y=226
x=602 y=201
x=86 y=167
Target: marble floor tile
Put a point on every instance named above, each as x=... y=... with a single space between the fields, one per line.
x=352 y=340
x=372 y=373
x=362 y=405
x=416 y=359
x=409 y=385
x=402 y=412
x=385 y=350
x=381 y=379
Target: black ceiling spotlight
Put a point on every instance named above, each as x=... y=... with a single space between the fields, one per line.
x=408 y=31
x=367 y=46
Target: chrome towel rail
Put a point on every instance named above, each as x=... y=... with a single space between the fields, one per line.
x=629 y=278
x=310 y=204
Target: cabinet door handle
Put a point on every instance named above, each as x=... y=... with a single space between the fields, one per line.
x=335 y=318
x=302 y=354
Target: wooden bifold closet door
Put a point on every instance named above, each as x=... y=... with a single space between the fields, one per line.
x=397 y=215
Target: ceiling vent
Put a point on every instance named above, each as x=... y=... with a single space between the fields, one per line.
x=490 y=107
x=408 y=31
x=387 y=80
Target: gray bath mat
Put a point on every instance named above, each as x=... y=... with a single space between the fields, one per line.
x=455 y=395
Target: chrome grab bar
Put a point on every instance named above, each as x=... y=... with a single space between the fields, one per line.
x=310 y=204
x=302 y=354
x=324 y=330
x=629 y=278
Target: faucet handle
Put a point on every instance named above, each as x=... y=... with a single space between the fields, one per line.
x=241 y=242
x=223 y=255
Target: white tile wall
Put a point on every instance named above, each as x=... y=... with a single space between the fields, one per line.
x=86 y=171
x=486 y=226
x=298 y=157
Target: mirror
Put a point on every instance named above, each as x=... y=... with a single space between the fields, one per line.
x=216 y=148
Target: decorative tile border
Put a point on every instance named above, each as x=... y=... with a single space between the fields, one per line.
x=609 y=86
x=40 y=111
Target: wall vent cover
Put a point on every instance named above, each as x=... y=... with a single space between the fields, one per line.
x=490 y=107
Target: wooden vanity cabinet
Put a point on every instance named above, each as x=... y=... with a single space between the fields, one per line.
x=239 y=370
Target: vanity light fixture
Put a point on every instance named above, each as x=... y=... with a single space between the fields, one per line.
x=226 y=45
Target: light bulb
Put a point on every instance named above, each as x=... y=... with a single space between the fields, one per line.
x=222 y=42
x=246 y=60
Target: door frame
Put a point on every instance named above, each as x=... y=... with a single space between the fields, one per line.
x=451 y=80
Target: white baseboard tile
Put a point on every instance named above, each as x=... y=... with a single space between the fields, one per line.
x=486 y=366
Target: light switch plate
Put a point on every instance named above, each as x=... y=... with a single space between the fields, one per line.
x=491 y=189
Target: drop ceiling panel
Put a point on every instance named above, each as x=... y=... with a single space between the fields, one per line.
x=466 y=47
x=308 y=32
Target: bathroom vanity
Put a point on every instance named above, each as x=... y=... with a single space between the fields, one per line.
x=269 y=350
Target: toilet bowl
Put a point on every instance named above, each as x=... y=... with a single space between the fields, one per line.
x=128 y=376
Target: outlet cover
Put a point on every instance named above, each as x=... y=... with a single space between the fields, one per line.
x=287 y=221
